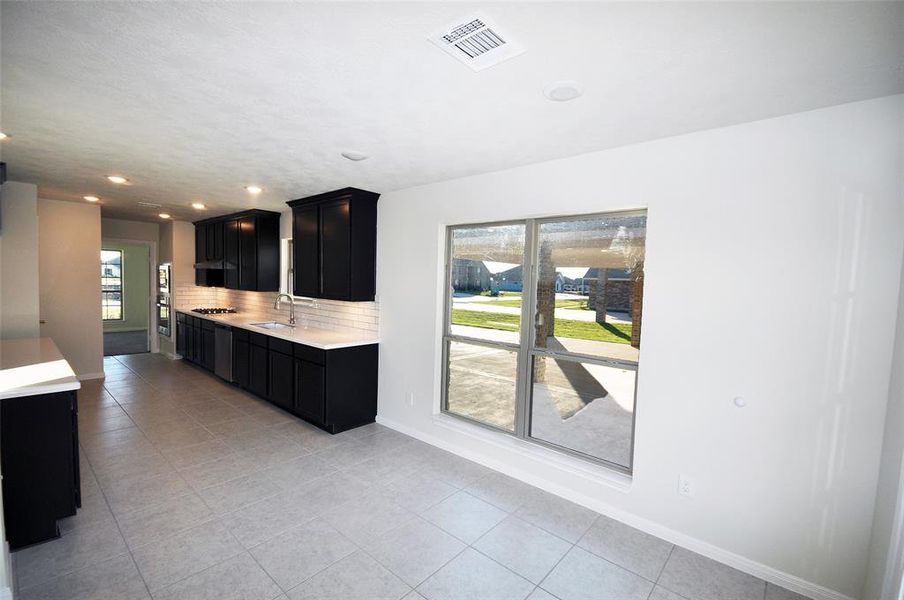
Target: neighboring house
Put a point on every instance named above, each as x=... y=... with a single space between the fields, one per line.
x=511 y=280
x=470 y=275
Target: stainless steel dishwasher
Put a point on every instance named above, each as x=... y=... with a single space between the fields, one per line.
x=223 y=356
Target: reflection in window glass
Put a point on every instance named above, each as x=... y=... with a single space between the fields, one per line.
x=486 y=282
x=585 y=407
x=590 y=286
x=481 y=383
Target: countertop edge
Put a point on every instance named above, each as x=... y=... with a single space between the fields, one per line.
x=38 y=390
x=247 y=326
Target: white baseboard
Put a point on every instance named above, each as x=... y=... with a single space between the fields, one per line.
x=751 y=567
x=6 y=594
x=85 y=376
x=170 y=355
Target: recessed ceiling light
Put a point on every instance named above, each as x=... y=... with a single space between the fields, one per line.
x=117 y=179
x=563 y=91
x=253 y=189
x=3 y=136
x=354 y=155
x=164 y=215
x=198 y=205
x=91 y=198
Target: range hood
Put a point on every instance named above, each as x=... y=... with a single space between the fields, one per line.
x=211 y=264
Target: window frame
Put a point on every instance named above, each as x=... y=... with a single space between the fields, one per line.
x=122 y=266
x=525 y=349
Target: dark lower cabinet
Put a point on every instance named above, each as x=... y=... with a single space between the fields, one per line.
x=208 y=346
x=180 y=334
x=333 y=389
x=241 y=360
x=259 y=373
x=309 y=401
x=40 y=465
x=281 y=391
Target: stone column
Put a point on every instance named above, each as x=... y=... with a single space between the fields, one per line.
x=637 y=306
x=599 y=296
x=546 y=306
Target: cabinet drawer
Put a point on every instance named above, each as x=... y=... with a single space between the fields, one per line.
x=311 y=354
x=180 y=318
x=208 y=325
x=259 y=339
x=240 y=334
x=281 y=346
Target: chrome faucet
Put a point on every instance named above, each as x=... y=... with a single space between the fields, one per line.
x=291 y=307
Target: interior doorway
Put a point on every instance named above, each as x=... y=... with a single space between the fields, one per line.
x=125 y=280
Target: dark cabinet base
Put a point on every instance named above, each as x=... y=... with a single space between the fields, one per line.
x=335 y=390
x=40 y=465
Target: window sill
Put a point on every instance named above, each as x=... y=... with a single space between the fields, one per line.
x=584 y=469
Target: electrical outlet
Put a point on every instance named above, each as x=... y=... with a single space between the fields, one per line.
x=685 y=486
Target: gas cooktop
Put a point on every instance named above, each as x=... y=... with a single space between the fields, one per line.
x=214 y=310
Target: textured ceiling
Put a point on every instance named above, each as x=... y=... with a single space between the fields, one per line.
x=192 y=101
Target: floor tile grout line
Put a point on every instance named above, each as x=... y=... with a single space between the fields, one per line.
x=665 y=564
x=118 y=528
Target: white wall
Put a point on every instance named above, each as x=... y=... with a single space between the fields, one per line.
x=69 y=265
x=121 y=229
x=884 y=577
x=793 y=228
x=18 y=260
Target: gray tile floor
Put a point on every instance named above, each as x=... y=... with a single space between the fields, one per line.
x=194 y=490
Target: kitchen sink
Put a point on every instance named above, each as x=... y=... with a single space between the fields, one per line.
x=273 y=325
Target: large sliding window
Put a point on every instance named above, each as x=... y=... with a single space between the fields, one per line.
x=543 y=322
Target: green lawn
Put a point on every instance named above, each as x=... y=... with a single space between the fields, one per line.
x=569 y=303
x=618 y=333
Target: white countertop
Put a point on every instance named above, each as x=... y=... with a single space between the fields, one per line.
x=33 y=366
x=325 y=339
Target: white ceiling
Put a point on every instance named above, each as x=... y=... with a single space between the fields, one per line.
x=192 y=101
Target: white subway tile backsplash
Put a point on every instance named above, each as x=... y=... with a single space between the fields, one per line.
x=327 y=314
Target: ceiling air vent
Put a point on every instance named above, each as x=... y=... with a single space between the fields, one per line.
x=477 y=42
x=150 y=205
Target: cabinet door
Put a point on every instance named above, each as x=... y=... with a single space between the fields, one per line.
x=248 y=253
x=309 y=390
x=241 y=362
x=258 y=371
x=231 y=254
x=335 y=249
x=198 y=356
x=214 y=237
x=180 y=338
x=189 y=343
x=306 y=251
x=281 y=380
x=208 y=352
x=200 y=243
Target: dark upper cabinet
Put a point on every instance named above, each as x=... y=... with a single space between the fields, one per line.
x=306 y=249
x=231 y=254
x=335 y=245
x=239 y=251
x=248 y=253
x=335 y=249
